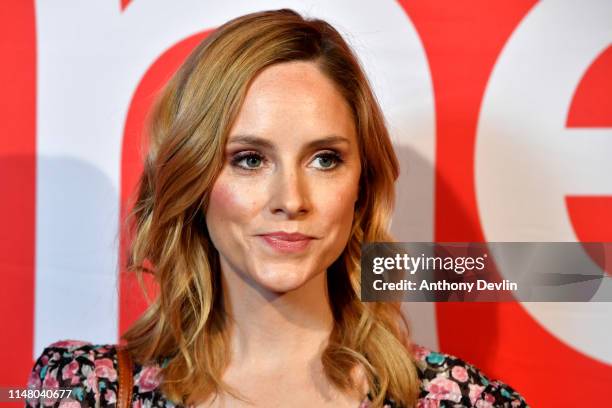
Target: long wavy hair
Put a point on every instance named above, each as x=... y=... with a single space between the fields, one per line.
x=186 y=325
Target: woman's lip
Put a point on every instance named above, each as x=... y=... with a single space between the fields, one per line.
x=286 y=236
x=286 y=245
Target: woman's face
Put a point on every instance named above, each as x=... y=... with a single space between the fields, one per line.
x=281 y=210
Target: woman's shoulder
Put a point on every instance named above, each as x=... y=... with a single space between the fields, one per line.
x=90 y=372
x=448 y=381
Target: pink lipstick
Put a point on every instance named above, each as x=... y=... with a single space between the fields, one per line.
x=287 y=242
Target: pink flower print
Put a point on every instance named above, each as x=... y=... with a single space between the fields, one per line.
x=70 y=370
x=69 y=344
x=104 y=368
x=92 y=383
x=483 y=404
x=428 y=403
x=365 y=403
x=459 y=373
x=420 y=352
x=69 y=403
x=34 y=382
x=486 y=402
x=110 y=397
x=50 y=383
x=475 y=391
x=443 y=388
x=149 y=378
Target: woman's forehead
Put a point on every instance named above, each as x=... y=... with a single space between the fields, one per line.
x=294 y=99
x=267 y=143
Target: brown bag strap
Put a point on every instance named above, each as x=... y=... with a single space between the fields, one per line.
x=124 y=392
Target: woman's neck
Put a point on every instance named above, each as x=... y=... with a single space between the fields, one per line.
x=269 y=329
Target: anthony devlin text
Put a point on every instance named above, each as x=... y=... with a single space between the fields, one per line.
x=444 y=285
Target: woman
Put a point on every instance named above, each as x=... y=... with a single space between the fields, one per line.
x=269 y=165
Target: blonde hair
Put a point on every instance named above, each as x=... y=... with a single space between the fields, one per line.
x=188 y=129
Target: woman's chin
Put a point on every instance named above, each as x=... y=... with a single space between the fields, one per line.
x=281 y=281
x=281 y=286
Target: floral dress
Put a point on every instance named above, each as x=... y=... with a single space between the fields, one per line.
x=90 y=372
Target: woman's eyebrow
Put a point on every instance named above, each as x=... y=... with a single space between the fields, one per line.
x=265 y=143
x=251 y=141
x=328 y=140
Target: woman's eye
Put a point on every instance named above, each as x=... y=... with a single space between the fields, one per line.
x=328 y=160
x=248 y=160
x=254 y=161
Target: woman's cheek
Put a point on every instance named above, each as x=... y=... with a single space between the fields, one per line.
x=233 y=198
x=221 y=196
x=341 y=206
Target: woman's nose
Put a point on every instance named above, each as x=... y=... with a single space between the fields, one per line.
x=289 y=193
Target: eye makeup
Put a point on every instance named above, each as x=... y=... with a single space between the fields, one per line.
x=251 y=160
